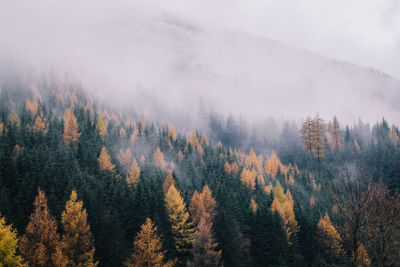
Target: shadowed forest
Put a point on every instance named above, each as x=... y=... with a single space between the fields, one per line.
x=86 y=184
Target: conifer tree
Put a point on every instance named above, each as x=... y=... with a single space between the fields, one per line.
x=147 y=248
x=104 y=160
x=307 y=134
x=40 y=126
x=71 y=133
x=77 y=242
x=101 y=127
x=133 y=174
x=334 y=131
x=393 y=135
x=318 y=138
x=158 y=159
x=330 y=240
x=40 y=245
x=168 y=182
x=13 y=119
x=125 y=159
x=283 y=205
x=8 y=245
x=182 y=227
x=272 y=165
x=205 y=251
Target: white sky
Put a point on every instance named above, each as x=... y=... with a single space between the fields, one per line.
x=364 y=32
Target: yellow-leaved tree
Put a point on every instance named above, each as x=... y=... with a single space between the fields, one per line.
x=181 y=226
x=147 y=248
x=71 y=133
x=133 y=174
x=101 y=127
x=330 y=240
x=40 y=245
x=77 y=241
x=8 y=245
x=104 y=160
x=283 y=205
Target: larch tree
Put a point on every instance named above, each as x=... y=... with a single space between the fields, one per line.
x=101 y=127
x=158 y=159
x=307 y=134
x=248 y=178
x=272 y=165
x=40 y=126
x=13 y=119
x=394 y=137
x=202 y=210
x=147 y=248
x=125 y=159
x=335 y=135
x=330 y=240
x=134 y=174
x=169 y=180
x=40 y=245
x=283 y=205
x=182 y=227
x=104 y=160
x=77 y=241
x=318 y=138
x=9 y=245
x=71 y=133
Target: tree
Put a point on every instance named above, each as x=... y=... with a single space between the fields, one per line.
x=147 y=248
x=307 y=134
x=40 y=245
x=158 y=159
x=318 y=138
x=168 y=182
x=330 y=240
x=133 y=174
x=8 y=245
x=204 y=246
x=40 y=126
x=77 y=242
x=334 y=133
x=272 y=165
x=125 y=159
x=283 y=205
x=202 y=210
x=71 y=133
x=104 y=160
x=182 y=228
x=101 y=127
x=394 y=137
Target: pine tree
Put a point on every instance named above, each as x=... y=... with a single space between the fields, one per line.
x=133 y=174
x=101 y=128
x=330 y=240
x=71 y=133
x=40 y=245
x=104 y=160
x=8 y=245
x=182 y=228
x=77 y=242
x=147 y=248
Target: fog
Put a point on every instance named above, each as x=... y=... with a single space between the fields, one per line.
x=176 y=57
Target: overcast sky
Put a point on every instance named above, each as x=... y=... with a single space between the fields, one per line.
x=364 y=32
x=218 y=52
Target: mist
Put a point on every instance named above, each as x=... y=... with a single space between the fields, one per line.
x=176 y=58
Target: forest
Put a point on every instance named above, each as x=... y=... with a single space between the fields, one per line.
x=84 y=183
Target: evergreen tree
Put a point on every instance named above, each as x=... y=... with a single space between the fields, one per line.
x=77 y=242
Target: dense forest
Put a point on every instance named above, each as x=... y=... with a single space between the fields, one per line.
x=83 y=183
